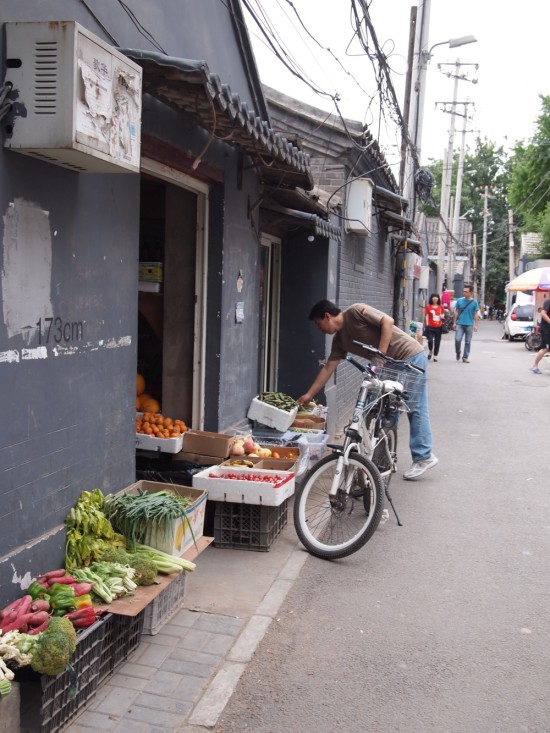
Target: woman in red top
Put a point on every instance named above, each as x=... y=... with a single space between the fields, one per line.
x=433 y=319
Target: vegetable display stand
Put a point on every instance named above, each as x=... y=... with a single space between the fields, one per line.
x=248 y=526
x=122 y=637
x=48 y=703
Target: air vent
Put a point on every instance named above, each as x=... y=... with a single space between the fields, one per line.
x=46 y=69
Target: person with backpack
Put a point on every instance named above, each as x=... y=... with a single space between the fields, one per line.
x=465 y=320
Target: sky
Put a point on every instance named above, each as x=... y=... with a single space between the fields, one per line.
x=512 y=53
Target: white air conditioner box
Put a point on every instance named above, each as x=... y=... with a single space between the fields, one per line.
x=359 y=206
x=77 y=100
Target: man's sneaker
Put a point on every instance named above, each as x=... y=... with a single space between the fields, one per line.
x=458 y=357
x=420 y=467
x=429 y=355
x=536 y=370
x=465 y=360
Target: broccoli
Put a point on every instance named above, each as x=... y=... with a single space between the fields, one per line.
x=115 y=554
x=54 y=647
x=146 y=570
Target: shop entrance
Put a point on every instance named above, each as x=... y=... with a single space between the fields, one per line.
x=171 y=298
x=270 y=296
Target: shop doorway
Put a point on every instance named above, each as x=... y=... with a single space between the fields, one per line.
x=172 y=293
x=270 y=297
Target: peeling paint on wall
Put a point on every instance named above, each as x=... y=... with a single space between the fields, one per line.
x=26 y=272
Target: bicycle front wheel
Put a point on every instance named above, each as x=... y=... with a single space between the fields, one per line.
x=332 y=527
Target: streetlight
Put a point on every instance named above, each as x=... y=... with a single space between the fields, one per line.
x=452 y=43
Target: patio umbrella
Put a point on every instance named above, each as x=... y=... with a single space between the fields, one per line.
x=536 y=279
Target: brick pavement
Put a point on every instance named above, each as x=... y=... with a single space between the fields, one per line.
x=179 y=680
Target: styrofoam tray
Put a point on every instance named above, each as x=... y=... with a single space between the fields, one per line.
x=271 y=416
x=243 y=491
x=162 y=445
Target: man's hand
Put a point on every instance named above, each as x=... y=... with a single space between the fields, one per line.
x=304 y=399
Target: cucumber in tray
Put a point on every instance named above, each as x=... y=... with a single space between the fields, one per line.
x=279 y=400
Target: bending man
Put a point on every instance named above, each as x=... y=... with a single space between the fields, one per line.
x=363 y=323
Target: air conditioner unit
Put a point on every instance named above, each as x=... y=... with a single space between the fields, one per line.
x=77 y=100
x=359 y=206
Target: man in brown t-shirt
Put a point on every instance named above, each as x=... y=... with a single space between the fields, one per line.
x=363 y=323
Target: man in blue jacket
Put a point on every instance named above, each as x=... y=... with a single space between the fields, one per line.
x=465 y=322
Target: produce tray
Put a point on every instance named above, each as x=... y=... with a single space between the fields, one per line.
x=241 y=490
x=248 y=526
x=122 y=637
x=48 y=703
x=165 y=605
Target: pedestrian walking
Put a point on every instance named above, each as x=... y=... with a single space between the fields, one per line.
x=465 y=320
x=370 y=326
x=544 y=330
x=434 y=314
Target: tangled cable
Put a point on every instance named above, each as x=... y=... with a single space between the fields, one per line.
x=424 y=182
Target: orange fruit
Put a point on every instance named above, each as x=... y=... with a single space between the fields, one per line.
x=140 y=384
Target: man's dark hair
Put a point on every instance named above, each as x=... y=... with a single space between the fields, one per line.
x=470 y=287
x=323 y=306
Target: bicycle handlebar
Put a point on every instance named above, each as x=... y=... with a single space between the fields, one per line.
x=377 y=352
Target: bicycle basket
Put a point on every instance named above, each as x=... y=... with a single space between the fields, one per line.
x=413 y=382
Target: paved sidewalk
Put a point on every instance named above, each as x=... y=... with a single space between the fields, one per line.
x=180 y=680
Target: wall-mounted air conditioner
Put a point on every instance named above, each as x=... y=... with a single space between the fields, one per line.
x=359 y=206
x=77 y=100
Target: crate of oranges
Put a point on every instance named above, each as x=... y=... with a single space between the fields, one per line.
x=156 y=432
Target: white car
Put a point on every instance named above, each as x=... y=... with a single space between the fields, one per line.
x=519 y=321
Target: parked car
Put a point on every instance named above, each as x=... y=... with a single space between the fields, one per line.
x=519 y=321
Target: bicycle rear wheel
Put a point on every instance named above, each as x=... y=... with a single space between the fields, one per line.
x=533 y=342
x=332 y=527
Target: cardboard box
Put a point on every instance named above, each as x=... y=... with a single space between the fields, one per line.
x=198 y=458
x=309 y=421
x=241 y=490
x=162 y=445
x=180 y=534
x=271 y=416
x=207 y=444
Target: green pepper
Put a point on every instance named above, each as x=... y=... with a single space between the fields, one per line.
x=62 y=598
x=36 y=591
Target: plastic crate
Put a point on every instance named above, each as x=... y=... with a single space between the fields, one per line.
x=248 y=526
x=122 y=637
x=48 y=703
x=165 y=605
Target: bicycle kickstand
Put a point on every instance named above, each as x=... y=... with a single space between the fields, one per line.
x=388 y=497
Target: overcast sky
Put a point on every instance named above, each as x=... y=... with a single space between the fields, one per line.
x=512 y=52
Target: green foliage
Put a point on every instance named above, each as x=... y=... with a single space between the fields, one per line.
x=486 y=165
x=529 y=191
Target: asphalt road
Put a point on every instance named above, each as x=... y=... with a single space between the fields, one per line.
x=442 y=625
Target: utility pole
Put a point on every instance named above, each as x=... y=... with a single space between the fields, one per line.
x=511 y=255
x=474 y=264
x=458 y=201
x=484 y=250
x=446 y=179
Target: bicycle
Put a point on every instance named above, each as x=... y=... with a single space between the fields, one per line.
x=339 y=504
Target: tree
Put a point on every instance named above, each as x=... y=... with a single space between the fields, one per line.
x=529 y=190
x=487 y=165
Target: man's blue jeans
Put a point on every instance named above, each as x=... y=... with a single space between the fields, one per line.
x=420 y=440
x=463 y=332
